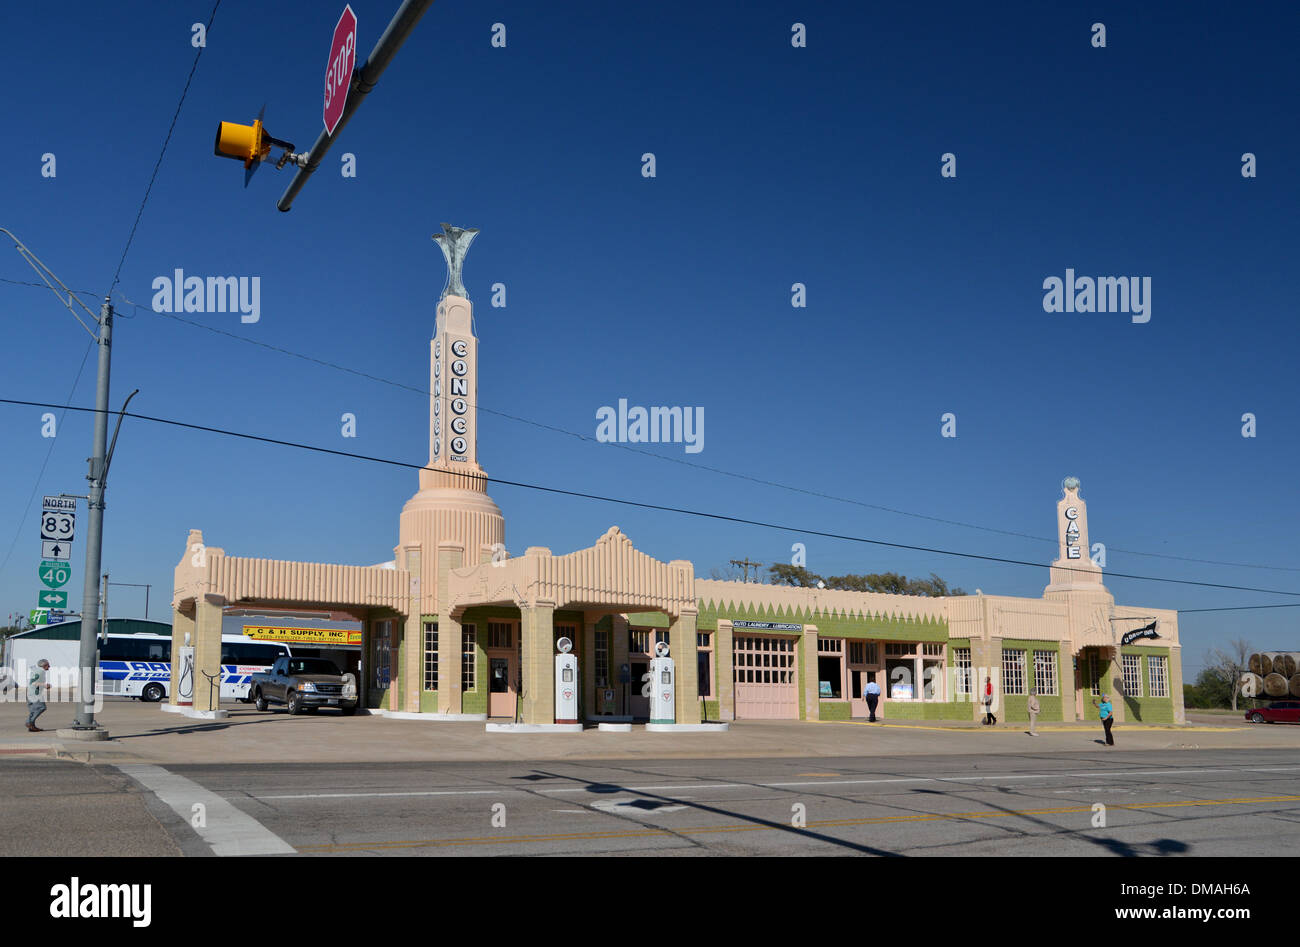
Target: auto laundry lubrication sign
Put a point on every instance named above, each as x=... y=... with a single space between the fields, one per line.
x=320 y=636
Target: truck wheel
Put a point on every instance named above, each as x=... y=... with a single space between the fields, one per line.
x=295 y=703
x=153 y=693
x=259 y=701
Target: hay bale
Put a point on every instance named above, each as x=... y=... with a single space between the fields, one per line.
x=1275 y=685
x=1252 y=685
x=1284 y=664
x=1295 y=685
x=1261 y=664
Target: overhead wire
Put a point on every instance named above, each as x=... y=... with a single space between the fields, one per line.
x=804 y=531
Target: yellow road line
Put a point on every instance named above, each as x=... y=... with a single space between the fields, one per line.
x=650 y=832
x=1123 y=728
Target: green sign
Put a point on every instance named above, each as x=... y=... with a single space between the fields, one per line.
x=54 y=574
x=38 y=616
x=52 y=599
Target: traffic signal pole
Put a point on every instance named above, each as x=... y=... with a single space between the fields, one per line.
x=85 y=718
x=363 y=83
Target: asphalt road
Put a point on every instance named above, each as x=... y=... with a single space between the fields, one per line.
x=1225 y=803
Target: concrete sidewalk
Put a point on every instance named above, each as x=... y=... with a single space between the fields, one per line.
x=143 y=733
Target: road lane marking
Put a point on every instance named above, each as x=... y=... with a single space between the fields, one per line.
x=227 y=830
x=1092 y=775
x=650 y=832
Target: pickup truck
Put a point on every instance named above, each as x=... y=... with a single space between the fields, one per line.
x=303 y=684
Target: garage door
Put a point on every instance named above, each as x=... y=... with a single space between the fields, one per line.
x=766 y=679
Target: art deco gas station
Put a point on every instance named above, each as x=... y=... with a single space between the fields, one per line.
x=457 y=628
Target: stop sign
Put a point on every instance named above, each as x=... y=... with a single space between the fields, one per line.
x=338 y=71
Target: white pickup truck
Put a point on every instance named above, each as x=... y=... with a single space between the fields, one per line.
x=303 y=684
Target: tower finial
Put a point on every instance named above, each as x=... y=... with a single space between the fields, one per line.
x=454 y=242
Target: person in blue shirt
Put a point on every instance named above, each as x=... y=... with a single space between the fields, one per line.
x=1107 y=716
x=872 y=693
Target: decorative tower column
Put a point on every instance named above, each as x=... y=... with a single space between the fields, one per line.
x=1077 y=581
x=452 y=505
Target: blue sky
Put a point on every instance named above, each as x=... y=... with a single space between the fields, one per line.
x=775 y=165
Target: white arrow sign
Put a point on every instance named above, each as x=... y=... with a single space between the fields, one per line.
x=53 y=549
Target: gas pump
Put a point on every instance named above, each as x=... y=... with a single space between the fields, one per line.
x=566 y=683
x=185 y=678
x=662 y=681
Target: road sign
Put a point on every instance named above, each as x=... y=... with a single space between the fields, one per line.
x=55 y=575
x=56 y=616
x=38 y=616
x=58 y=519
x=48 y=599
x=51 y=549
x=338 y=68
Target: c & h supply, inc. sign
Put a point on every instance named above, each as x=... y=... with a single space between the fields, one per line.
x=323 y=636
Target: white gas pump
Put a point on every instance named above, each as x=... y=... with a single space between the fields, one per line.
x=566 y=683
x=662 y=686
x=185 y=674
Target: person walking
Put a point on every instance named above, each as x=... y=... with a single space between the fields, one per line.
x=1034 y=709
x=989 y=717
x=1107 y=716
x=872 y=692
x=37 y=687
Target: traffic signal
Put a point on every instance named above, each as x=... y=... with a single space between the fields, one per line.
x=251 y=144
x=246 y=143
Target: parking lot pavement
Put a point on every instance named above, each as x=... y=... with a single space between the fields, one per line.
x=144 y=733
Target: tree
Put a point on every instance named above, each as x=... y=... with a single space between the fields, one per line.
x=1210 y=690
x=1230 y=663
x=782 y=574
x=888 y=582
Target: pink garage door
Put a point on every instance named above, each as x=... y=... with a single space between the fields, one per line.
x=766 y=680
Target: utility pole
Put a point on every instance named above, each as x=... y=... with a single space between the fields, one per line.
x=745 y=564
x=85 y=718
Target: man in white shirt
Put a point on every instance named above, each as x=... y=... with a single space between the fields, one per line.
x=872 y=693
x=37 y=687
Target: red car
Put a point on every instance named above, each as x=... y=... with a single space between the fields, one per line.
x=1279 y=711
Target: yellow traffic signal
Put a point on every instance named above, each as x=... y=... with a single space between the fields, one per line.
x=246 y=143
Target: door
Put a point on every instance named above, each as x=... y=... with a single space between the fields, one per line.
x=501 y=684
x=862 y=670
x=638 y=706
x=767 y=681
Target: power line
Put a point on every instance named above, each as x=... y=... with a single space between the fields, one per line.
x=655 y=506
x=718 y=470
x=48 y=453
x=1238 y=608
x=685 y=463
x=166 y=141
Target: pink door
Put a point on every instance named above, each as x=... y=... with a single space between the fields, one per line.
x=766 y=679
x=502 y=692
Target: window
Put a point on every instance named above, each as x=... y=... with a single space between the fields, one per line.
x=830 y=668
x=431 y=655
x=1094 y=674
x=468 y=656
x=638 y=641
x=763 y=660
x=1132 y=675
x=962 y=657
x=661 y=636
x=910 y=662
x=136 y=649
x=602 y=658
x=247 y=653
x=499 y=634
x=1013 y=671
x=1156 y=675
x=1045 y=673
x=704 y=662
x=566 y=631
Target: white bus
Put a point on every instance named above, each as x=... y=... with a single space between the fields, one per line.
x=140 y=665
